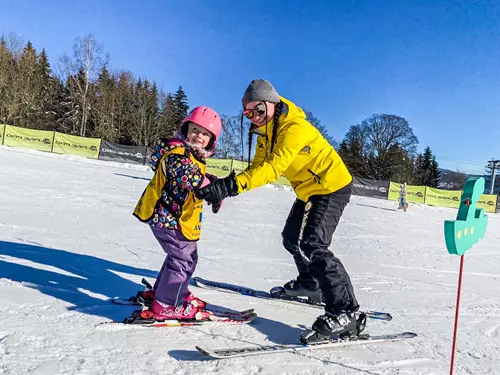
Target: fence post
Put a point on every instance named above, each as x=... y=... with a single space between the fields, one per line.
x=145 y=155
x=100 y=147
x=4 y=131
x=53 y=140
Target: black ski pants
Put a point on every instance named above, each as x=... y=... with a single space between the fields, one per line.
x=307 y=235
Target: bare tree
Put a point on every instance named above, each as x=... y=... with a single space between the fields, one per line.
x=15 y=44
x=11 y=50
x=379 y=143
x=316 y=122
x=145 y=114
x=229 y=142
x=82 y=70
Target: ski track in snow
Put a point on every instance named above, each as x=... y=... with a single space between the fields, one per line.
x=68 y=243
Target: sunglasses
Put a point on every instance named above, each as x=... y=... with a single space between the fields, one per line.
x=258 y=110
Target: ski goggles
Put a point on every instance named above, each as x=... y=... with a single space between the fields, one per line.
x=258 y=110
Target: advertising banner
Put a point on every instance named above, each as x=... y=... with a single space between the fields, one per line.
x=488 y=202
x=149 y=152
x=415 y=194
x=40 y=140
x=126 y=154
x=443 y=198
x=239 y=166
x=219 y=167
x=74 y=145
x=370 y=188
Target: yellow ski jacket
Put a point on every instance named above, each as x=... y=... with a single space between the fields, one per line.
x=300 y=153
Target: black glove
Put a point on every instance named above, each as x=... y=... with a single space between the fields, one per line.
x=215 y=205
x=218 y=190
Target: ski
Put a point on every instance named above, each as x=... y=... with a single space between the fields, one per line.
x=126 y=301
x=237 y=289
x=273 y=349
x=217 y=310
x=133 y=301
x=220 y=311
x=136 y=320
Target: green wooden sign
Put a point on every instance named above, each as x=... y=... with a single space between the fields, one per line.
x=470 y=226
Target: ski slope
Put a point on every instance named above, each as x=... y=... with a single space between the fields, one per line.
x=68 y=243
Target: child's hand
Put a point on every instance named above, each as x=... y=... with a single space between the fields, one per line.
x=216 y=206
x=218 y=190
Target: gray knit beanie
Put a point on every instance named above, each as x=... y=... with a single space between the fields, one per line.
x=260 y=90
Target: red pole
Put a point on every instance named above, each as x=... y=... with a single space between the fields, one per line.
x=456 y=314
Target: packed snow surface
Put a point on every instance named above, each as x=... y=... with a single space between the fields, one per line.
x=69 y=243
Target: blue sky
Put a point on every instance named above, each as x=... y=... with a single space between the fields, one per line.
x=435 y=63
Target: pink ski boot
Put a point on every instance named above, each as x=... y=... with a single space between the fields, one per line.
x=195 y=300
x=187 y=311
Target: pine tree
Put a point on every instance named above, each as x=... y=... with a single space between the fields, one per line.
x=124 y=100
x=103 y=106
x=168 y=124
x=181 y=105
x=351 y=153
x=6 y=75
x=47 y=92
x=26 y=104
x=434 y=175
x=427 y=171
x=62 y=107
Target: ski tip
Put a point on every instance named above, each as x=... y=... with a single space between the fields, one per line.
x=201 y=350
x=409 y=335
x=379 y=315
x=146 y=283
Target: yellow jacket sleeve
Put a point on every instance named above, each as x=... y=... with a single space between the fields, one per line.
x=291 y=138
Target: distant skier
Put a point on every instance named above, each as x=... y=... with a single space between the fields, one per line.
x=170 y=207
x=288 y=144
x=403 y=202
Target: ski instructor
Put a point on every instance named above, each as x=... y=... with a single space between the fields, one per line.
x=287 y=144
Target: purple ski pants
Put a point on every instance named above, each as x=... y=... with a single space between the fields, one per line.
x=171 y=285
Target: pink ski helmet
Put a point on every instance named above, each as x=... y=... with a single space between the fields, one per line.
x=208 y=119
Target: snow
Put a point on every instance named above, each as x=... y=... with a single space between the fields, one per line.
x=68 y=243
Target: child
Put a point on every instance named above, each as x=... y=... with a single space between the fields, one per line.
x=169 y=206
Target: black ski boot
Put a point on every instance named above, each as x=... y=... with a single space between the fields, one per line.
x=328 y=327
x=298 y=289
